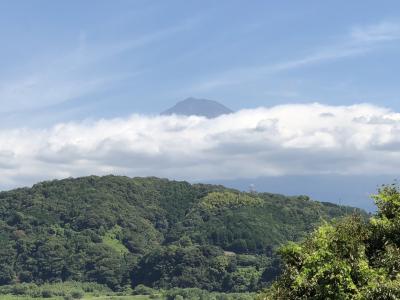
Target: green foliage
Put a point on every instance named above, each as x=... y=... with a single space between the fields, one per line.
x=352 y=259
x=143 y=290
x=77 y=294
x=119 y=231
x=228 y=199
x=198 y=294
x=112 y=238
x=68 y=289
x=204 y=267
x=247 y=223
x=47 y=294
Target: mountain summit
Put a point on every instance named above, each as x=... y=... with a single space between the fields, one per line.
x=198 y=107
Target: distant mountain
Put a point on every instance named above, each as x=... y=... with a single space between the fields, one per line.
x=119 y=231
x=198 y=107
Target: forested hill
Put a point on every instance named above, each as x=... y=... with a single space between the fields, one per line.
x=123 y=231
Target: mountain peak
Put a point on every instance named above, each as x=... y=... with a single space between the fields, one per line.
x=198 y=107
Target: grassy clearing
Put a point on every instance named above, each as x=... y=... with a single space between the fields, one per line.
x=111 y=239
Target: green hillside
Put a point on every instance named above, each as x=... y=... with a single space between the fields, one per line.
x=121 y=231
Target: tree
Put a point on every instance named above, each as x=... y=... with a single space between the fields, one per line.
x=352 y=259
x=7 y=258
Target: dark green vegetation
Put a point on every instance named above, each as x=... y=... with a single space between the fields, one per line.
x=70 y=290
x=122 y=232
x=352 y=259
x=77 y=290
x=65 y=290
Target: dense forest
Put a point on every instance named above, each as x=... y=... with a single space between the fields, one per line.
x=120 y=231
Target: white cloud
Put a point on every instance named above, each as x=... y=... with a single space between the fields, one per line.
x=281 y=140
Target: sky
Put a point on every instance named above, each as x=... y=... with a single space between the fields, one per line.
x=314 y=85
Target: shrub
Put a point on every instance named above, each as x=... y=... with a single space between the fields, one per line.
x=47 y=294
x=77 y=294
x=141 y=289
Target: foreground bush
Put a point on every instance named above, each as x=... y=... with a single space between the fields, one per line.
x=353 y=259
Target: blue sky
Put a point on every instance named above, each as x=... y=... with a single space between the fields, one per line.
x=90 y=59
x=82 y=84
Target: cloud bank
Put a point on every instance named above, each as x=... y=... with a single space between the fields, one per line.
x=282 y=140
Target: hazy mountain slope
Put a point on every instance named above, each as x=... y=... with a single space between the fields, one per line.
x=113 y=230
x=198 y=107
x=352 y=190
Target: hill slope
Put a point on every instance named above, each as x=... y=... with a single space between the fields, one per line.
x=120 y=231
x=198 y=107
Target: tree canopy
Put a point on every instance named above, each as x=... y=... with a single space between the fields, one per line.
x=351 y=259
